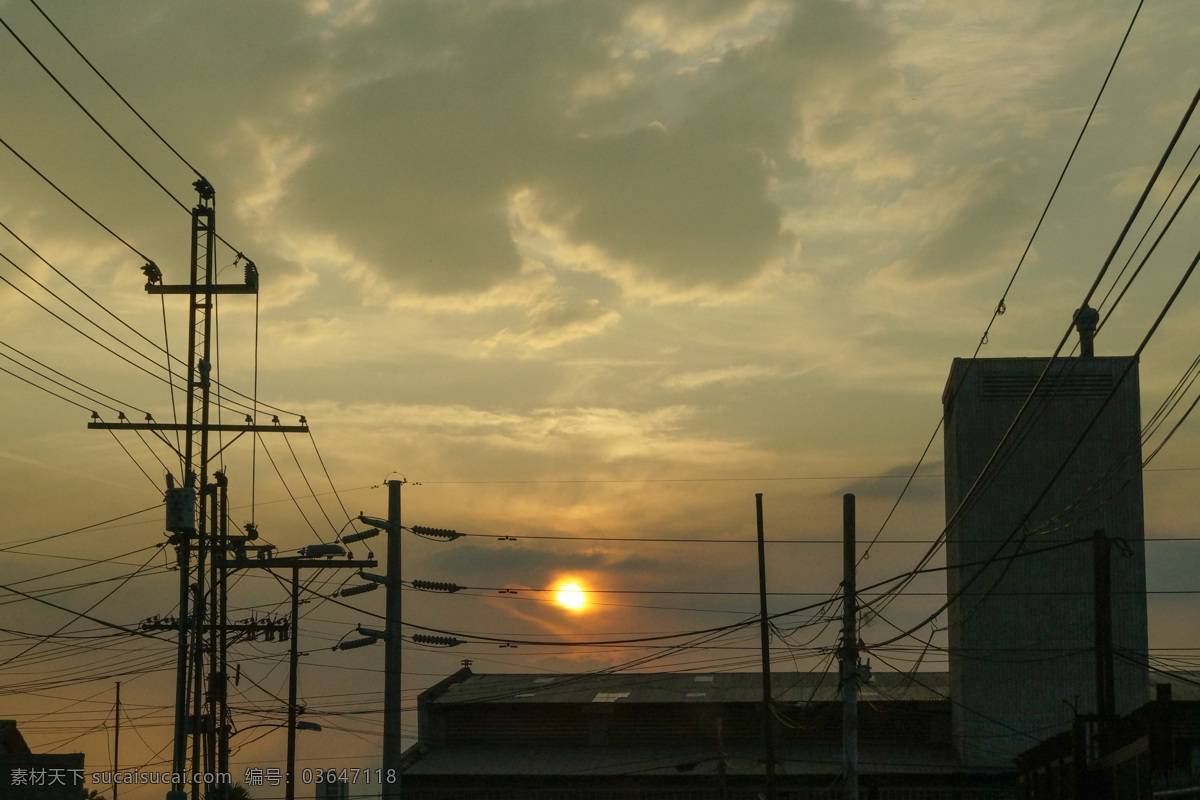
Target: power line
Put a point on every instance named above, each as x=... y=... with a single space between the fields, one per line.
x=89 y=114
x=114 y=89
x=72 y=201
x=1001 y=306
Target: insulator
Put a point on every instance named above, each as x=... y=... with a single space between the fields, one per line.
x=353 y=643
x=204 y=189
x=358 y=536
x=350 y=591
x=444 y=641
x=436 y=586
x=251 y=273
x=437 y=533
x=322 y=551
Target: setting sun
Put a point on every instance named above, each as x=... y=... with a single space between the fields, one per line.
x=570 y=596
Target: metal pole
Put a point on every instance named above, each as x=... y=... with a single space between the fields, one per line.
x=392 y=681
x=1105 y=688
x=849 y=652
x=721 y=783
x=223 y=645
x=290 y=792
x=197 y=658
x=117 y=740
x=211 y=734
x=768 y=729
x=179 y=752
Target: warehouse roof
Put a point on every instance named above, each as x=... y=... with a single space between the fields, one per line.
x=719 y=687
x=814 y=759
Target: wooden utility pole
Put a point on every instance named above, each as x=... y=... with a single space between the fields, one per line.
x=849 y=652
x=768 y=726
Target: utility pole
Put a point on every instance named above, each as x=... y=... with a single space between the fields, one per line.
x=849 y=652
x=768 y=727
x=317 y=556
x=722 y=786
x=117 y=739
x=393 y=705
x=191 y=532
x=293 y=665
x=393 y=688
x=220 y=611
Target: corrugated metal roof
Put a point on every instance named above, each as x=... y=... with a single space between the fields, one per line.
x=680 y=761
x=721 y=687
x=725 y=687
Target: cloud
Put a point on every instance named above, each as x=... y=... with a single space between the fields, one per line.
x=678 y=207
x=553 y=322
x=720 y=376
x=472 y=104
x=980 y=230
x=924 y=489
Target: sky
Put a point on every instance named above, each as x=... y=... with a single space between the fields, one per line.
x=594 y=272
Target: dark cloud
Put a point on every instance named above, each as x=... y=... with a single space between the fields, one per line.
x=678 y=207
x=414 y=123
x=922 y=489
x=414 y=164
x=503 y=565
x=419 y=151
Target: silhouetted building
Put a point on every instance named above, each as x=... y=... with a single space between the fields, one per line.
x=25 y=775
x=654 y=736
x=1153 y=752
x=1022 y=623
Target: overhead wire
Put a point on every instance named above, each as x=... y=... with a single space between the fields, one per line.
x=1001 y=306
x=1154 y=327
x=89 y=114
x=988 y=471
x=73 y=202
x=1154 y=246
x=287 y=488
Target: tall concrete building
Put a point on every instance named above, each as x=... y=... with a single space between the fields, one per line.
x=1022 y=628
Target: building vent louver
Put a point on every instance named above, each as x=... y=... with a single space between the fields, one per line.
x=1016 y=387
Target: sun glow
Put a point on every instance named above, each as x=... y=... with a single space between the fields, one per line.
x=571 y=596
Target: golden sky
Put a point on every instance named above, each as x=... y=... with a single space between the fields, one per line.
x=597 y=271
